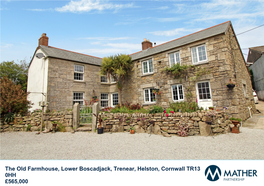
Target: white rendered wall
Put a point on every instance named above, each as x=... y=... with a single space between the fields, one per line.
x=37 y=81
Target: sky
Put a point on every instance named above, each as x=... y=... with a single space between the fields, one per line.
x=108 y=27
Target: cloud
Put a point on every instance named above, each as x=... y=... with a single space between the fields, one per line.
x=169 y=19
x=89 y=5
x=5 y=46
x=106 y=38
x=106 y=49
x=177 y=31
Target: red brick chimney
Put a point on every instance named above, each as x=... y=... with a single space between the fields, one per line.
x=44 y=40
x=146 y=44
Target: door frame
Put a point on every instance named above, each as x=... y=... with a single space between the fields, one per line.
x=198 y=97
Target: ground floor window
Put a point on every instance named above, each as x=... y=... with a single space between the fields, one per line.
x=177 y=93
x=204 y=90
x=115 y=100
x=149 y=96
x=78 y=98
x=104 y=100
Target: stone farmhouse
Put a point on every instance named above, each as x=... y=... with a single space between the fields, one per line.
x=62 y=77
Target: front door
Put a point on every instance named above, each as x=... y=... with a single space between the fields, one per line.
x=204 y=96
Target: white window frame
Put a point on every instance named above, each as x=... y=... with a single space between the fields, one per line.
x=80 y=101
x=112 y=99
x=107 y=81
x=178 y=93
x=176 y=59
x=104 y=100
x=196 y=48
x=209 y=87
x=149 y=95
x=148 y=66
x=78 y=70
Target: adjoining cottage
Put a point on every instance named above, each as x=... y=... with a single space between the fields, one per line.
x=66 y=77
x=256 y=61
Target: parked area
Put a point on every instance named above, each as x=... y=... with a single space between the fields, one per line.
x=249 y=144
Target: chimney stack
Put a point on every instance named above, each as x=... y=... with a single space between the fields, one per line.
x=146 y=44
x=44 y=40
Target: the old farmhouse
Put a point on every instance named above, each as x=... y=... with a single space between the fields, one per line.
x=66 y=77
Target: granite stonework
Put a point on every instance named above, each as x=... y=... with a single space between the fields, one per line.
x=225 y=62
x=61 y=83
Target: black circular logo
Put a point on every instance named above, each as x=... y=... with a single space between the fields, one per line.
x=212 y=173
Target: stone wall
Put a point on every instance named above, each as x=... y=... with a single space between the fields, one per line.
x=33 y=122
x=166 y=125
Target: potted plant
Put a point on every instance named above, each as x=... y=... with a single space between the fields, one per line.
x=132 y=130
x=211 y=108
x=231 y=84
x=100 y=129
x=210 y=116
x=156 y=91
x=235 y=122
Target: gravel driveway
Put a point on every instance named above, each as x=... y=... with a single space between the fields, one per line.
x=82 y=145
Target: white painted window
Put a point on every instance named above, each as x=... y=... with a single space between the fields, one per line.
x=204 y=90
x=147 y=66
x=78 y=98
x=78 y=72
x=177 y=93
x=199 y=54
x=104 y=100
x=115 y=99
x=174 y=58
x=149 y=96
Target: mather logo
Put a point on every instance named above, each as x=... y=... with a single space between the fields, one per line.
x=212 y=173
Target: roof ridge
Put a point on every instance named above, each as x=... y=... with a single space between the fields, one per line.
x=73 y=52
x=185 y=36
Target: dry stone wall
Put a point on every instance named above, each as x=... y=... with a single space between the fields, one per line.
x=33 y=122
x=166 y=125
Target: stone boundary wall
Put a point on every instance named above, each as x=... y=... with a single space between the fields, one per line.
x=65 y=118
x=166 y=125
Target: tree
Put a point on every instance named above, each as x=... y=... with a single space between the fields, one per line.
x=15 y=72
x=13 y=98
x=118 y=67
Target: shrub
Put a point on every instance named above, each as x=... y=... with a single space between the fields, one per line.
x=156 y=109
x=13 y=98
x=184 y=106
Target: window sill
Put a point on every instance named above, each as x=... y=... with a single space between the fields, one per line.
x=103 y=83
x=148 y=74
x=200 y=63
x=78 y=81
x=150 y=103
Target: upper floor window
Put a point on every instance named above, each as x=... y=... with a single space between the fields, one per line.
x=199 y=54
x=78 y=72
x=174 y=58
x=177 y=92
x=147 y=66
x=149 y=96
x=104 y=79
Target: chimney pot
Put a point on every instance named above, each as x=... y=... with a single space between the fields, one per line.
x=44 y=40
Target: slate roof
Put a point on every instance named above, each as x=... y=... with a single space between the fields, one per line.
x=203 y=34
x=255 y=53
x=69 y=55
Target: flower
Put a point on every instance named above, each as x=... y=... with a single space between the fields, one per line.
x=172 y=112
x=167 y=115
x=164 y=111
